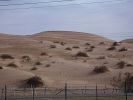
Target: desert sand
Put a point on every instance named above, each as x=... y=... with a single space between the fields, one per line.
x=54 y=57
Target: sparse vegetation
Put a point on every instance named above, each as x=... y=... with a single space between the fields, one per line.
x=33 y=68
x=92 y=47
x=112 y=48
x=76 y=47
x=123 y=49
x=1 y=67
x=101 y=57
x=47 y=65
x=26 y=58
x=100 y=69
x=87 y=44
x=43 y=54
x=52 y=46
x=62 y=43
x=38 y=63
x=6 y=56
x=101 y=43
x=13 y=65
x=81 y=54
x=68 y=48
x=129 y=65
x=121 y=64
x=34 y=81
x=115 y=44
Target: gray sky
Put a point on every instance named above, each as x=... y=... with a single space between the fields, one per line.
x=110 y=19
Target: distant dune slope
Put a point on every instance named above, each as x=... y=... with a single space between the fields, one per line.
x=128 y=40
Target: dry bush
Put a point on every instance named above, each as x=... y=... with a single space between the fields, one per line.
x=62 y=43
x=89 y=49
x=43 y=54
x=26 y=58
x=81 y=54
x=123 y=80
x=1 y=67
x=129 y=65
x=34 y=81
x=76 y=47
x=6 y=56
x=115 y=44
x=123 y=49
x=34 y=68
x=101 y=57
x=101 y=43
x=112 y=48
x=87 y=44
x=47 y=65
x=100 y=69
x=121 y=64
x=92 y=47
x=68 y=48
x=52 y=46
x=13 y=65
x=38 y=63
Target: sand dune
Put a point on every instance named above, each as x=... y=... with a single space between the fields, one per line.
x=58 y=65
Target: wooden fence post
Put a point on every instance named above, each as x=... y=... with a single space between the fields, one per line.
x=65 y=91
x=96 y=93
x=33 y=92
x=5 y=92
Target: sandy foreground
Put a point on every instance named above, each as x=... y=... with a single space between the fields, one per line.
x=53 y=57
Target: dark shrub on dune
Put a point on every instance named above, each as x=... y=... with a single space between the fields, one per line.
x=123 y=49
x=1 y=67
x=43 y=54
x=34 y=81
x=68 y=48
x=115 y=44
x=26 y=58
x=76 y=47
x=81 y=54
x=52 y=46
x=33 y=68
x=13 y=65
x=6 y=56
x=121 y=64
x=112 y=48
x=100 y=69
x=38 y=63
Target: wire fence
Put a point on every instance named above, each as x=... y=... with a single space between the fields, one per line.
x=66 y=93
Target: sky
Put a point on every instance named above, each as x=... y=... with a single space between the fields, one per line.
x=110 y=18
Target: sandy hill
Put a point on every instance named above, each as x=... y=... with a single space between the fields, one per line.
x=128 y=40
x=60 y=57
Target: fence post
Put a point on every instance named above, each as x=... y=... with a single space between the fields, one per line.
x=96 y=93
x=126 y=89
x=65 y=91
x=33 y=92
x=5 y=92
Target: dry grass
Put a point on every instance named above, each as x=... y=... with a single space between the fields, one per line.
x=100 y=69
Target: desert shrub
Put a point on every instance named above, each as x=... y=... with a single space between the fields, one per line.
x=33 y=68
x=26 y=58
x=101 y=43
x=47 y=65
x=52 y=46
x=62 y=43
x=68 y=48
x=123 y=49
x=1 y=67
x=43 y=54
x=100 y=69
x=112 y=48
x=121 y=64
x=81 y=54
x=13 y=65
x=121 y=81
x=129 y=65
x=6 y=56
x=34 y=81
x=92 y=47
x=76 y=47
x=38 y=63
x=87 y=44
x=115 y=44
x=101 y=57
